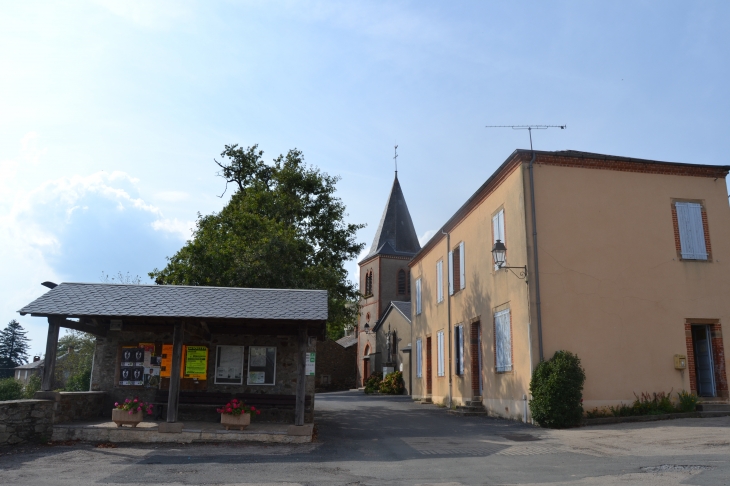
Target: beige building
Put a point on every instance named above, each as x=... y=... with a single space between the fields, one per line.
x=621 y=261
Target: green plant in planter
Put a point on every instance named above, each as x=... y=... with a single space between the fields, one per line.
x=557 y=391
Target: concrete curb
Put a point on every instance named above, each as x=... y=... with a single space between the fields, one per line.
x=651 y=418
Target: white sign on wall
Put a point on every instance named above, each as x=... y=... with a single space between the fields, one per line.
x=309 y=369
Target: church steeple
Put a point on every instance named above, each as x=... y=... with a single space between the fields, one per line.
x=396 y=234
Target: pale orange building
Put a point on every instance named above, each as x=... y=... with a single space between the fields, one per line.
x=621 y=261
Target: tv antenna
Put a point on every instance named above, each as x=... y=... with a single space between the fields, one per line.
x=529 y=128
x=395 y=158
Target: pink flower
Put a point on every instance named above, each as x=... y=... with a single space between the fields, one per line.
x=229 y=410
x=135 y=400
x=139 y=409
x=253 y=408
x=116 y=404
x=126 y=401
x=130 y=412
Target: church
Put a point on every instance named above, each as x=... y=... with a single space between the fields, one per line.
x=385 y=285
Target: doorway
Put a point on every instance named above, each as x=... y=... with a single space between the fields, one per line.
x=704 y=363
x=366 y=364
x=429 y=383
x=476 y=359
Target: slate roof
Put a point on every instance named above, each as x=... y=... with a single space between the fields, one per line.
x=117 y=300
x=347 y=341
x=396 y=234
x=402 y=307
x=30 y=366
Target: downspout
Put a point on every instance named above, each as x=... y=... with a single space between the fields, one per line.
x=534 y=250
x=448 y=312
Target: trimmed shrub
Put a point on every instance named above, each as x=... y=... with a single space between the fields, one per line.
x=557 y=391
x=372 y=384
x=10 y=389
x=393 y=384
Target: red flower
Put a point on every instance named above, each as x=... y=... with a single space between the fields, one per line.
x=229 y=410
x=253 y=408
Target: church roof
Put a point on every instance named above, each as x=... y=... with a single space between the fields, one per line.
x=396 y=234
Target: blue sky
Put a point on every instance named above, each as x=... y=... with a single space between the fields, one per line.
x=111 y=112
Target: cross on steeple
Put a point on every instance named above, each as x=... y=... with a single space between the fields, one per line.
x=395 y=158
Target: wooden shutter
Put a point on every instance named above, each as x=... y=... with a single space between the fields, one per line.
x=462 y=266
x=451 y=273
x=418 y=296
x=503 y=340
x=419 y=358
x=691 y=231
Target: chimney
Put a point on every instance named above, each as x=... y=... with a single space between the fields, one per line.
x=36 y=358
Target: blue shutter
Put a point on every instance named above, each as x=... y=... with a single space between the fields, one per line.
x=418 y=358
x=503 y=340
x=418 y=296
x=440 y=280
x=691 y=231
x=450 y=271
x=462 y=265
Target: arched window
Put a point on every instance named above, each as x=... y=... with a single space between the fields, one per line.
x=369 y=283
x=401 y=282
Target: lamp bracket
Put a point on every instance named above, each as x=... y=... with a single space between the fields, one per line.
x=522 y=271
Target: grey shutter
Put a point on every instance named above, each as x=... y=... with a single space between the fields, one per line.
x=418 y=296
x=462 y=265
x=450 y=271
x=691 y=231
x=461 y=350
x=440 y=280
x=418 y=358
x=504 y=340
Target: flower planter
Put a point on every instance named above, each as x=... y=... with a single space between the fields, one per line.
x=237 y=421
x=122 y=417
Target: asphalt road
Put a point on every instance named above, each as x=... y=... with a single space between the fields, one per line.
x=392 y=440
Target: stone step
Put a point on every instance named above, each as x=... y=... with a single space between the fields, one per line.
x=469 y=408
x=465 y=413
x=713 y=407
x=474 y=403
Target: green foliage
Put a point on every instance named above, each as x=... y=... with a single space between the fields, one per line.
x=557 y=391
x=33 y=385
x=13 y=348
x=687 y=401
x=283 y=228
x=393 y=384
x=80 y=381
x=652 y=404
x=10 y=389
x=372 y=384
x=73 y=367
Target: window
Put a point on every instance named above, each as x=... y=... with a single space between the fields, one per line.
x=369 y=283
x=419 y=358
x=401 y=282
x=261 y=365
x=503 y=341
x=440 y=352
x=229 y=365
x=459 y=351
x=408 y=281
x=498 y=230
x=691 y=224
x=418 y=296
x=457 y=269
x=440 y=281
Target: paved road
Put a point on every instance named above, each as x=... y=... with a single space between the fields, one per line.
x=391 y=440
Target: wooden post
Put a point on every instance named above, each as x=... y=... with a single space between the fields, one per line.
x=301 y=376
x=49 y=364
x=173 y=396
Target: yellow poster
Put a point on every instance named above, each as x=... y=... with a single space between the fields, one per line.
x=196 y=362
x=166 y=361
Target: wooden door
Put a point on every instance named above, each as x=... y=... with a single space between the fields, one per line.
x=429 y=369
x=476 y=359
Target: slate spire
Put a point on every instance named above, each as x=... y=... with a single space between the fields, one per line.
x=396 y=234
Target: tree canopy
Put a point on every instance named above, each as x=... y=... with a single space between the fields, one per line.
x=13 y=347
x=283 y=228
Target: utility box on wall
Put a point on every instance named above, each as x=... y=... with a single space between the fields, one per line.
x=680 y=361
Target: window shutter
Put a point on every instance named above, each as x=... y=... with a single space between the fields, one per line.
x=456 y=349
x=691 y=231
x=418 y=358
x=418 y=296
x=504 y=341
x=462 y=265
x=440 y=280
x=461 y=350
x=451 y=273
x=441 y=353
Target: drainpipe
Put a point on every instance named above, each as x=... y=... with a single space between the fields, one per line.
x=448 y=311
x=536 y=272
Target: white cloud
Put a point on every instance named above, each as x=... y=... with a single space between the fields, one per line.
x=183 y=229
x=423 y=239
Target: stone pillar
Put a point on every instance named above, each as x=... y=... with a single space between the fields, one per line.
x=49 y=364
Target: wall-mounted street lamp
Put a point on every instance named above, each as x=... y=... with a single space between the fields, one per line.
x=366 y=328
x=499 y=254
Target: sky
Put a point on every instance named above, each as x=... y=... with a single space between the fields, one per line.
x=112 y=112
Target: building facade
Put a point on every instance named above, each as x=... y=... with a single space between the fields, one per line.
x=618 y=260
x=384 y=276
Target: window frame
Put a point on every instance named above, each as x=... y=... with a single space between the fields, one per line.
x=217 y=364
x=684 y=239
x=248 y=367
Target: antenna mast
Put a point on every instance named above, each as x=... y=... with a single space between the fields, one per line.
x=529 y=128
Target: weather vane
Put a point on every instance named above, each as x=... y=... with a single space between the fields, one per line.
x=529 y=128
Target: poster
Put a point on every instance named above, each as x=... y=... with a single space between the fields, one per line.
x=261 y=365
x=229 y=365
x=309 y=368
x=256 y=377
x=131 y=366
x=166 y=360
x=196 y=362
x=257 y=356
x=128 y=353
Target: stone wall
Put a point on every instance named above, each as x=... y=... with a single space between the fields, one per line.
x=25 y=420
x=78 y=406
x=104 y=374
x=338 y=364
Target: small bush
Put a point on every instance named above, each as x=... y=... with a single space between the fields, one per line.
x=79 y=382
x=33 y=385
x=653 y=404
x=687 y=401
x=372 y=384
x=393 y=384
x=10 y=389
x=557 y=391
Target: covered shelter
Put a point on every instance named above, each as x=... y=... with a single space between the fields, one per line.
x=193 y=346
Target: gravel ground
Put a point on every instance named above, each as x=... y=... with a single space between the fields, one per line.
x=392 y=440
